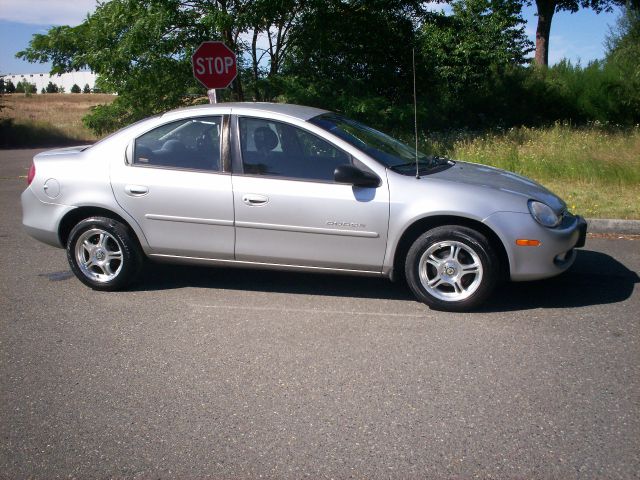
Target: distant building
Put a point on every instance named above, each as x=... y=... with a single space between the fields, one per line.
x=66 y=80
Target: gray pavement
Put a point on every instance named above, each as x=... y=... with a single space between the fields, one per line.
x=239 y=373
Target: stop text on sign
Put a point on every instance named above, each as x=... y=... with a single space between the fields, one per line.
x=211 y=65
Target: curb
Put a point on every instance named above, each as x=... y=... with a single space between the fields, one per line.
x=612 y=225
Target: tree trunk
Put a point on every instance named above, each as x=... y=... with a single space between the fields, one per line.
x=546 y=9
x=254 y=59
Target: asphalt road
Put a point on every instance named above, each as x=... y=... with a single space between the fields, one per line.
x=239 y=373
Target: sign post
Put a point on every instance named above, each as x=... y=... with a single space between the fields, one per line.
x=214 y=66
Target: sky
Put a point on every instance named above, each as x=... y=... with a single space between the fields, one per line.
x=579 y=36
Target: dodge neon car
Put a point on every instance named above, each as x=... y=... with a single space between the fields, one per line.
x=295 y=188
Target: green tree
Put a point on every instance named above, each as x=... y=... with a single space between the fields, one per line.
x=473 y=58
x=623 y=63
x=75 y=88
x=142 y=49
x=338 y=61
x=10 y=87
x=623 y=42
x=52 y=88
x=25 y=87
x=86 y=88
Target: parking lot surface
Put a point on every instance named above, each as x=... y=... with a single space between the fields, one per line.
x=202 y=372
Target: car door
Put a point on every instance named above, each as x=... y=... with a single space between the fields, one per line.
x=177 y=191
x=289 y=210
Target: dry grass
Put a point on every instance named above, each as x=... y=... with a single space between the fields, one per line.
x=57 y=116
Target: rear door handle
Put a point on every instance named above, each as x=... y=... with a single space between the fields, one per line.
x=254 y=200
x=136 y=190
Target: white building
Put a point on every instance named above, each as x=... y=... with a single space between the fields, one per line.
x=66 y=80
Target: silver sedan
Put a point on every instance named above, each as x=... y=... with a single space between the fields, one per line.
x=297 y=188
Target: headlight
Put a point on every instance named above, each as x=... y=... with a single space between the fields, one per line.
x=543 y=214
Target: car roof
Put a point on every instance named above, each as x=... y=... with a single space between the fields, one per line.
x=296 y=111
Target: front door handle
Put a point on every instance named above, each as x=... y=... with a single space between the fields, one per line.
x=254 y=200
x=136 y=190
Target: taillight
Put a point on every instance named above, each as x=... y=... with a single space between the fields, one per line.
x=31 y=174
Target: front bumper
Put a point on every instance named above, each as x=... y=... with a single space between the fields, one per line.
x=556 y=252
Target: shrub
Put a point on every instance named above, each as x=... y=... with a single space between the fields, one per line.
x=52 y=88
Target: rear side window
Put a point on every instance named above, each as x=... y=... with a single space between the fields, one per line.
x=192 y=143
x=278 y=149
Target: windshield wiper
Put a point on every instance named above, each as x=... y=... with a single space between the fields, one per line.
x=403 y=166
x=424 y=164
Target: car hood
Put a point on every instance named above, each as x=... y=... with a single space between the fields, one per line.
x=497 y=179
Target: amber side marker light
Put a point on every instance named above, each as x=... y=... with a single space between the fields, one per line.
x=523 y=242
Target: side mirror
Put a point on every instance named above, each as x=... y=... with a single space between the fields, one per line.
x=356 y=177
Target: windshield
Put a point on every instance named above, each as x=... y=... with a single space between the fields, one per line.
x=385 y=149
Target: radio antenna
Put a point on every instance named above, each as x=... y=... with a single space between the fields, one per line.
x=415 y=111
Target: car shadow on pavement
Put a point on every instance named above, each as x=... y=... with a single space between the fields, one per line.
x=158 y=276
x=595 y=278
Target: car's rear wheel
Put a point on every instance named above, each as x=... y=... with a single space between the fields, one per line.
x=452 y=268
x=103 y=254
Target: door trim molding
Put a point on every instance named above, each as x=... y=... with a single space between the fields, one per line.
x=315 y=230
x=205 y=221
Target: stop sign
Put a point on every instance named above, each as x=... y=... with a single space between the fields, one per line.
x=214 y=65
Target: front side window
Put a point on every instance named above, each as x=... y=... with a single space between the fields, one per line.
x=192 y=143
x=282 y=150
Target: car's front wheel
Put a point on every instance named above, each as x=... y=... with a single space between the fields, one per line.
x=452 y=268
x=103 y=253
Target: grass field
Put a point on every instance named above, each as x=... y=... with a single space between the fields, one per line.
x=50 y=119
x=595 y=169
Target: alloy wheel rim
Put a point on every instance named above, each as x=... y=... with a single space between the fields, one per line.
x=99 y=255
x=450 y=271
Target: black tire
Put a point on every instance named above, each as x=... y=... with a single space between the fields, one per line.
x=452 y=268
x=104 y=254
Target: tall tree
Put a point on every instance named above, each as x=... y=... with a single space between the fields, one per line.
x=468 y=56
x=270 y=23
x=546 y=9
x=623 y=60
